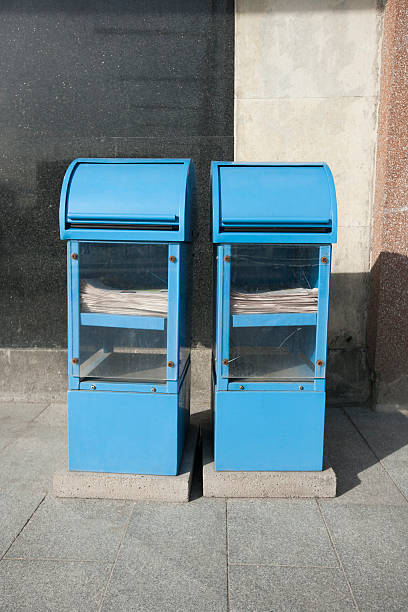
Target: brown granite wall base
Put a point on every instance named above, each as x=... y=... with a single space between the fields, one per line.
x=388 y=316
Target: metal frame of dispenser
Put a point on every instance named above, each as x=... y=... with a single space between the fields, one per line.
x=273 y=226
x=127 y=226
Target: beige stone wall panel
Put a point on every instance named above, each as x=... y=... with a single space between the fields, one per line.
x=306 y=89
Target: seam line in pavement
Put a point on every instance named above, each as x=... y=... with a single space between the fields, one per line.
x=375 y=454
x=336 y=567
x=57 y=559
x=227 y=551
x=338 y=556
x=105 y=590
x=22 y=528
x=39 y=414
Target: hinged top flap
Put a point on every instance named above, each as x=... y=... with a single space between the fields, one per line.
x=275 y=198
x=114 y=194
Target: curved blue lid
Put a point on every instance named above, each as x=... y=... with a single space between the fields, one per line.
x=101 y=196
x=275 y=202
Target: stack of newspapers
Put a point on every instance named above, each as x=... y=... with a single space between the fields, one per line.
x=268 y=302
x=97 y=297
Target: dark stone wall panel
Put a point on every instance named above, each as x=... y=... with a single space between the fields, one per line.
x=102 y=79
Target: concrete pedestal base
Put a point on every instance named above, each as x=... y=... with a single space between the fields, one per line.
x=263 y=484
x=131 y=486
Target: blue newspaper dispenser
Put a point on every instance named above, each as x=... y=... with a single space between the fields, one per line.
x=273 y=225
x=127 y=226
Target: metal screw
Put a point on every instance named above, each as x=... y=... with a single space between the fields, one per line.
x=172 y=258
x=74 y=255
x=170 y=364
x=241 y=387
x=153 y=389
x=93 y=387
x=225 y=361
x=227 y=258
x=320 y=362
x=324 y=260
x=301 y=388
x=75 y=360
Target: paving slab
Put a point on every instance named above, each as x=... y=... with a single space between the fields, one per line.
x=278 y=532
x=261 y=483
x=27 y=464
x=398 y=472
x=79 y=530
x=31 y=460
x=173 y=557
x=360 y=477
x=102 y=485
x=387 y=435
x=48 y=585
x=14 y=418
x=386 y=432
x=379 y=589
x=372 y=543
x=262 y=589
x=16 y=507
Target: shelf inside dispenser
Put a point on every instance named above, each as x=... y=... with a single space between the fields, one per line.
x=269 y=308
x=106 y=306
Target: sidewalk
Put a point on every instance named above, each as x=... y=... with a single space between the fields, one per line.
x=349 y=553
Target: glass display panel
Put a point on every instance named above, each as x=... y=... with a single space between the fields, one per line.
x=123 y=311
x=272 y=353
x=274 y=299
x=123 y=354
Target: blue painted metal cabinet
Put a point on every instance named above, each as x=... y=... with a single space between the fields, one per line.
x=127 y=226
x=273 y=226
